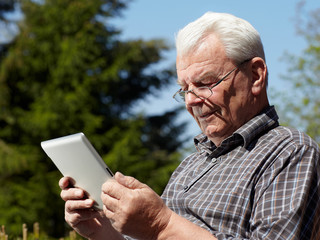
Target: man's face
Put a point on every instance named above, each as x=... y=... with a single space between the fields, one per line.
x=229 y=106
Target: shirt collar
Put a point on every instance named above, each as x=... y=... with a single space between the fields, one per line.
x=264 y=121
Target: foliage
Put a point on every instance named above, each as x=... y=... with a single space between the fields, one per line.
x=302 y=107
x=67 y=72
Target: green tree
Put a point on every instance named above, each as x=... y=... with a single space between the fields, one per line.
x=66 y=72
x=301 y=107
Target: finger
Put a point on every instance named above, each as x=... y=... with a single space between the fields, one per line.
x=66 y=182
x=72 y=194
x=63 y=183
x=75 y=205
x=127 y=181
x=73 y=218
x=109 y=214
x=109 y=202
x=113 y=189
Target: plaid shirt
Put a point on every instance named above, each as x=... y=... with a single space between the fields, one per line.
x=263 y=182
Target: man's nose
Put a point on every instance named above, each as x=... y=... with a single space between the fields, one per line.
x=192 y=99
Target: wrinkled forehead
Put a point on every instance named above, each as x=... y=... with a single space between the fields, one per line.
x=201 y=65
x=198 y=72
x=210 y=48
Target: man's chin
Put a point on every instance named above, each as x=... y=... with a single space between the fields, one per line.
x=211 y=131
x=214 y=133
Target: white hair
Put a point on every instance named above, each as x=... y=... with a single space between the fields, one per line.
x=240 y=39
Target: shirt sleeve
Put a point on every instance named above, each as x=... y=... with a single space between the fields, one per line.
x=287 y=197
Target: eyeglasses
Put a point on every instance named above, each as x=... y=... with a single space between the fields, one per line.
x=202 y=92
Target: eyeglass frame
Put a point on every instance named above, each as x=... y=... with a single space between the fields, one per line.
x=210 y=88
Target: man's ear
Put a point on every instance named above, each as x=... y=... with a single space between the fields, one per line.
x=259 y=75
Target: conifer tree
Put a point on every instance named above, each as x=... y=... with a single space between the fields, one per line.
x=66 y=72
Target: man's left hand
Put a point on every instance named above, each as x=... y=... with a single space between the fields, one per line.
x=134 y=208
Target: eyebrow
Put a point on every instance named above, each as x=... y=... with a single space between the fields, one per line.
x=207 y=75
x=202 y=78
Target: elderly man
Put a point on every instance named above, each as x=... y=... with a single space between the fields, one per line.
x=249 y=178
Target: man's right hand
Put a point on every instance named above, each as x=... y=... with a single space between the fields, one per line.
x=82 y=217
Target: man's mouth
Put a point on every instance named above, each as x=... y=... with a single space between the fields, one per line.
x=205 y=115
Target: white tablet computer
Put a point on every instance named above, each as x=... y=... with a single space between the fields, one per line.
x=75 y=157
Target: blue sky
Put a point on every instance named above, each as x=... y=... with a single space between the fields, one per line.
x=274 y=20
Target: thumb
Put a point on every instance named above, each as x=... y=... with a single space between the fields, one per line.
x=127 y=181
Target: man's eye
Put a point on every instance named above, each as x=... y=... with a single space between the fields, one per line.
x=211 y=83
x=203 y=84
